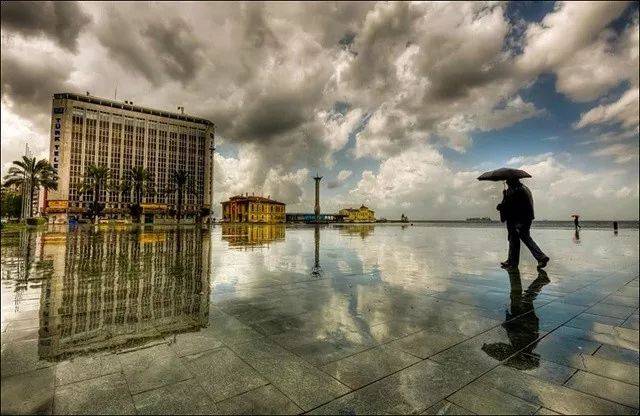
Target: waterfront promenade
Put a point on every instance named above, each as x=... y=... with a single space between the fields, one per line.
x=352 y=319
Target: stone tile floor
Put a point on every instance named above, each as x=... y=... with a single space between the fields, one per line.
x=343 y=320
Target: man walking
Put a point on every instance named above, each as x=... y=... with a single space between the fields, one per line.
x=516 y=209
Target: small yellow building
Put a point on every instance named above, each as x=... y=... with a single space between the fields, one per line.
x=244 y=208
x=362 y=214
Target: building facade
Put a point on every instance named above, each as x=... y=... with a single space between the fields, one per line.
x=245 y=208
x=362 y=214
x=89 y=130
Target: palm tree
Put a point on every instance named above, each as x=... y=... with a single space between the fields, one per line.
x=31 y=174
x=95 y=180
x=140 y=181
x=179 y=178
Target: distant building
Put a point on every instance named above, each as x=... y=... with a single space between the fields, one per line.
x=88 y=130
x=308 y=217
x=245 y=208
x=362 y=214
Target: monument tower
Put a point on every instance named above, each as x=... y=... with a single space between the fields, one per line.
x=317 y=207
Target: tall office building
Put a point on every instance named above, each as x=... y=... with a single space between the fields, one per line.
x=89 y=130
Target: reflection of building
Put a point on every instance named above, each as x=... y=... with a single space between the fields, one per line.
x=118 y=289
x=251 y=235
x=89 y=130
x=363 y=230
x=362 y=214
x=245 y=208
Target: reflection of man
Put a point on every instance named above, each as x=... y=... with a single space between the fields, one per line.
x=521 y=323
x=516 y=209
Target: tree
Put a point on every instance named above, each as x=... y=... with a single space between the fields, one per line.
x=30 y=174
x=95 y=180
x=140 y=181
x=11 y=203
x=179 y=178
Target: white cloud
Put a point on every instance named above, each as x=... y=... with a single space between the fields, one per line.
x=623 y=111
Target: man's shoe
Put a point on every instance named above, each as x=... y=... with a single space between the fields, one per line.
x=543 y=263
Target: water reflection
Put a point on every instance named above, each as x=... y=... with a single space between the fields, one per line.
x=252 y=235
x=107 y=289
x=317 y=270
x=363 y=230
x=521 y=323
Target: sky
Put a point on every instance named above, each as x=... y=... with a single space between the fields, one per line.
x=399 y=106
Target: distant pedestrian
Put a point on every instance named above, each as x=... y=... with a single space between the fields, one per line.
x=516 y=209
x=576 y=222
x=615 y=227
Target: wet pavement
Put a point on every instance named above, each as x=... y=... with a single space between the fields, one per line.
x=354 y=319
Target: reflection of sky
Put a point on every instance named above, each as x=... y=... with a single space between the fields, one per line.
x=396 y=254
x=365 y=281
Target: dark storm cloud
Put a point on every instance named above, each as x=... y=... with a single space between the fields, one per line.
x=176 y=47
x=157 y=50
x=29 y=84
x=61 y=21
x=125 y=46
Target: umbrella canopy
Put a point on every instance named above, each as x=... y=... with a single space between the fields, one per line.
x=503 y=174
x=575 y=215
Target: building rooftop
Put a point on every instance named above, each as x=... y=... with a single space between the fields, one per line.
x=125 y=106
x=254 y=199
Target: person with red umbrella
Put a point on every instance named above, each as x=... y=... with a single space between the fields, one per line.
x=516 y=209
x=576 y=221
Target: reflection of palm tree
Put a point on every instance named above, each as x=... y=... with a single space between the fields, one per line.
x=521 y=323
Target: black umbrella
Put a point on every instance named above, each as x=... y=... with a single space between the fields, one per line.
x=503 y=174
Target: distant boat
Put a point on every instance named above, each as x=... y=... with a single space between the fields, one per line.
x=478 y=219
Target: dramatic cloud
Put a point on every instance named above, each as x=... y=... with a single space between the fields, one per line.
x=343 y=175
x=61 y=21
x=384 y=95
x=623 y=111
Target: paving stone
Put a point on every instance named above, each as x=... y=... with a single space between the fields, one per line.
x=618 y=354
x=533 y=365
x=22 y=357
x=222 y=374
x=445 y=407
x=303 y=383
x=615 y=311
x=365 y=367
x=265 y=400
x=86 y=367
x=103 y=395
x=153 y=367
x=544 y=411
x=28 y=393
x=551 y=396
x=230 y=330
x=411 y=390
x=483 y=399
x=606 y=388
x=193 y=342
x=603 y=338
x=586 y=320
x=185 y=397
